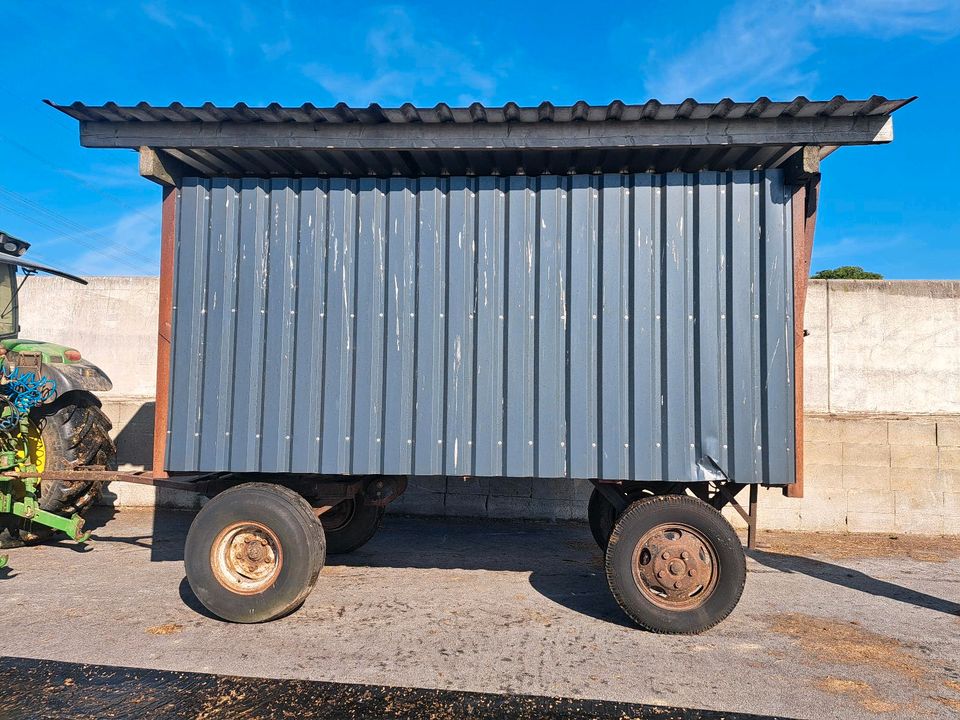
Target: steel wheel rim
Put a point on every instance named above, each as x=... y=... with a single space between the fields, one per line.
x=246 y=557
x=675 y=566
x=339 y=516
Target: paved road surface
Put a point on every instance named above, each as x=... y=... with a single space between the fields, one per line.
x=519 y=608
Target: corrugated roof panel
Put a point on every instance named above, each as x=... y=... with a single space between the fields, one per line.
x=546 y=111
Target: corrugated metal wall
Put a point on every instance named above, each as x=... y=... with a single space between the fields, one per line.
x=590 y=326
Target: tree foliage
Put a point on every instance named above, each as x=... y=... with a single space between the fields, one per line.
x=847 y=272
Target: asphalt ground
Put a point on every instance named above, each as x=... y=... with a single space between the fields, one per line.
x=435 y=609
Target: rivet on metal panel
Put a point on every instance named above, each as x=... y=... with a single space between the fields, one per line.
x=562 y=444
x=626 y=445
x=594 y=444
x=658 y=444
x=723 y=316
x=499 y=442
x=257 y=436
x=378 y=439
x=409 y=441
x=347 y=438
x=321 y=314
x=439 y=442
x=529 y=442
x=227 y=433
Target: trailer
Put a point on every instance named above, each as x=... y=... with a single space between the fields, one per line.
x=350 y=297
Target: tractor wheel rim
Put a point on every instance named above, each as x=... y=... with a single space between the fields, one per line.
x=675 y=566
x=246 y=557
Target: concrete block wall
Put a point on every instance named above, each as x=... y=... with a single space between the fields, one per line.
x=882 y=379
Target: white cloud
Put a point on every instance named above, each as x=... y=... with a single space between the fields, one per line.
x=405 y=61
x=752 y=45
x=276 y=50
x=762 y=47
x=934 y=19
x=108 y=176
x=858 y=250
x=129 y=245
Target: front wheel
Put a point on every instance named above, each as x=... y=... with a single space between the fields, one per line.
x=675 y=565
x=253 y=553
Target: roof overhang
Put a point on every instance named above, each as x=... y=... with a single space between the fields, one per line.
x=275 y=141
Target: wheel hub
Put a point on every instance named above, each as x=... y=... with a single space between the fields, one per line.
x=675 y=567
x=246 y=558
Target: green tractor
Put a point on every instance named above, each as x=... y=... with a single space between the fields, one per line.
x=50 y=420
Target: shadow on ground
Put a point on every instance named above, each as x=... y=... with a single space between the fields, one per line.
x=563 y=563
x=854 y=579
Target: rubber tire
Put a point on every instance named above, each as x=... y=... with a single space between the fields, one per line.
x=358 y=531
x=640 y=517
x=602 y=515
x=301 y=539
x=75 y=431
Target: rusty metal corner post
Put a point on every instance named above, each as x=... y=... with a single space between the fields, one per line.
x=164 y=329
x=805 y=200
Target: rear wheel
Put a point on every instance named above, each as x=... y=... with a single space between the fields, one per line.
x=602 y=515
x=675 y=565
x=253 y=553
x=350 y=524
x=69 y=432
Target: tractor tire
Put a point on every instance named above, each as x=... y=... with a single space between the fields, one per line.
x=350 y=524
x=73 y=431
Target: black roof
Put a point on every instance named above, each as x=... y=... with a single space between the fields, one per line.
x=478 y=139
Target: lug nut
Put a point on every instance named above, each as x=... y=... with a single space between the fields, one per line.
x=666 y=555
x=660 y=574
x=685 y=555
x=690 y=573
x=676 y=585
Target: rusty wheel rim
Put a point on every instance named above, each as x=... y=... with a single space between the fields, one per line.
x=339 y=516
x=675 y=567
x=246 y=557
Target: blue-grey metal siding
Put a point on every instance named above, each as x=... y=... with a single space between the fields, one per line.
x=625 y=326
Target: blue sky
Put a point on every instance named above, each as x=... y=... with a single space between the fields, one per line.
x=888 y=208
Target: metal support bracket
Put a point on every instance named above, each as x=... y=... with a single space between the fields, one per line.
x=750 y=516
